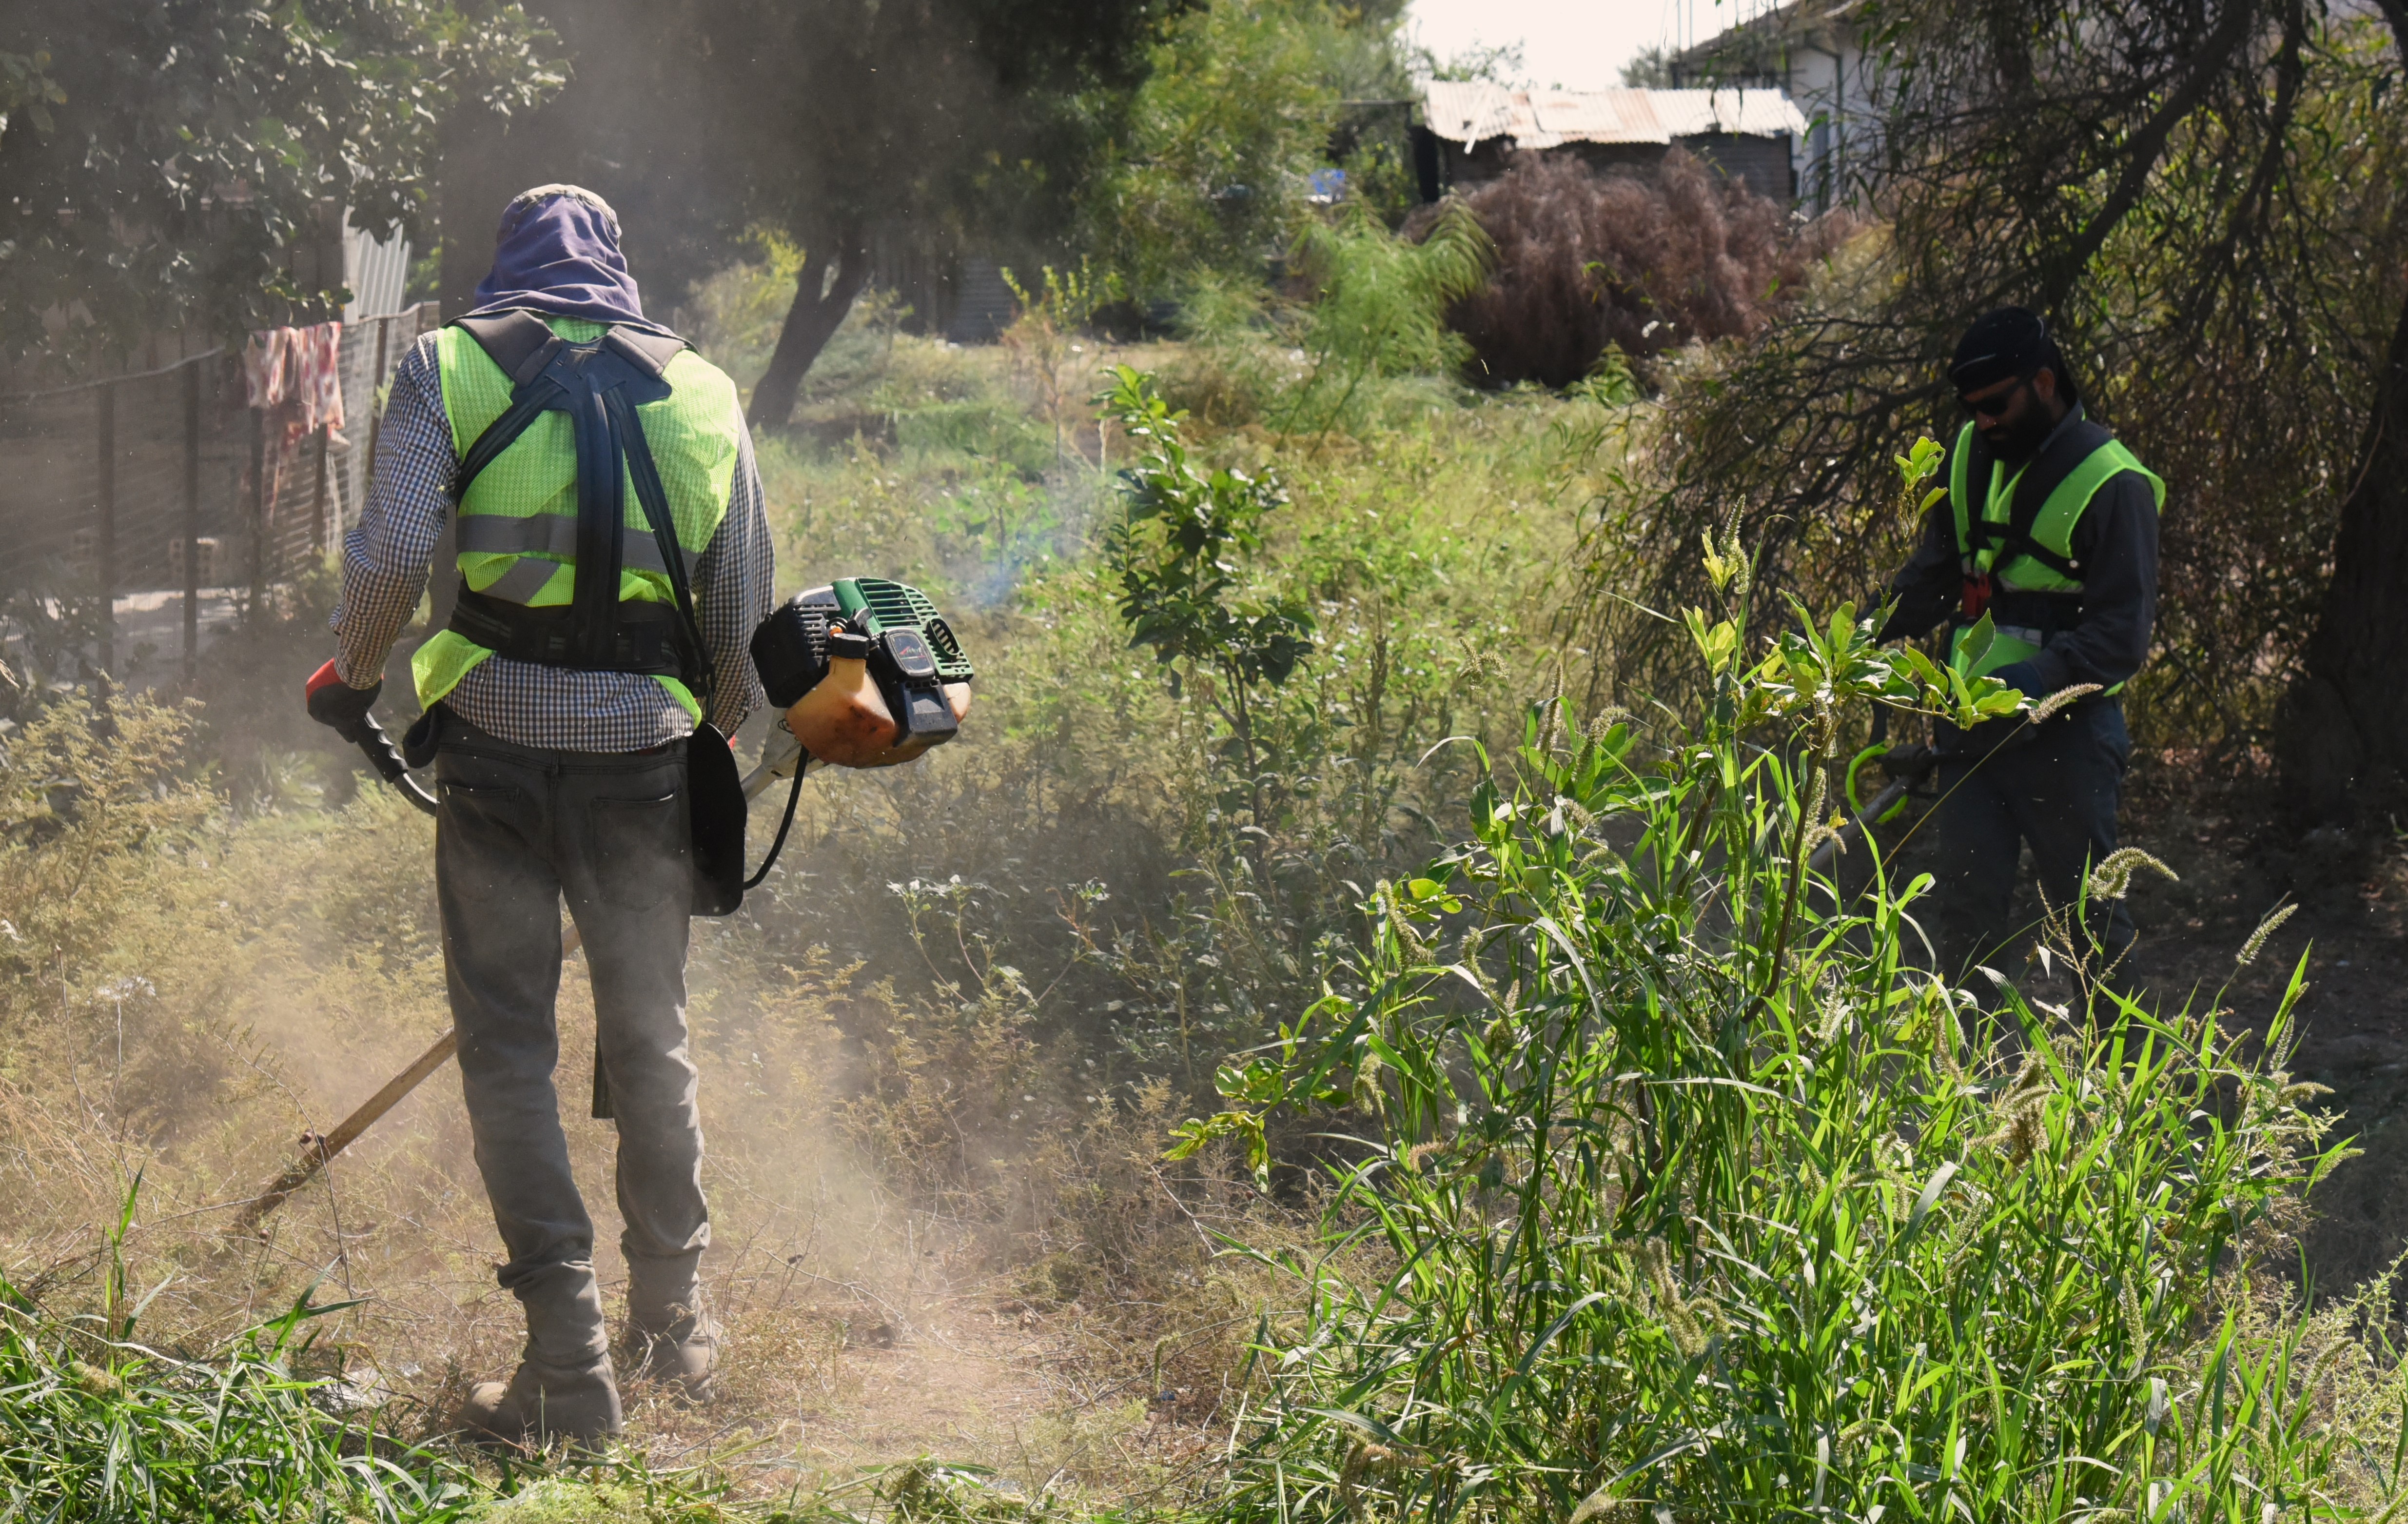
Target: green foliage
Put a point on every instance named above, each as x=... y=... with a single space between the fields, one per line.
x=94 y=1427
x=1182 y=590
x=1235 y=112
x=1380 y=303
x=170 y=158
x=1699 y=1200
x=89 y=795
x=24 y=86
x=1497 y=63
x=1044 y=341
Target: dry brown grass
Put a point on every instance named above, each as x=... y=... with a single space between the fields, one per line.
x=902 y=1269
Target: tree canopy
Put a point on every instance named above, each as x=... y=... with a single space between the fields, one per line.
x=158 y=162
x=860 y=130
x=2204 y=202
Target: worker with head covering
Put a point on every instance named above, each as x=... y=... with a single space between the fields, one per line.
x=2049 y=533
x=613 y=558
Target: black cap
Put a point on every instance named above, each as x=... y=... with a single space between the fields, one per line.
x=2002 y=344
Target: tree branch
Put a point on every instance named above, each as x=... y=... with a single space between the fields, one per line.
x=2396 y=12
x=2149 y=145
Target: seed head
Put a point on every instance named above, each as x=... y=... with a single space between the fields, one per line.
x=2056 y=702
x=2267 y=928
x=95 y=1381
x=2111 y=879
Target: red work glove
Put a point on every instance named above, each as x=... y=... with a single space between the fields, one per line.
x=335 y=702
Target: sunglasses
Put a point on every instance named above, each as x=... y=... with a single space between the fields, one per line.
x=1994 y=407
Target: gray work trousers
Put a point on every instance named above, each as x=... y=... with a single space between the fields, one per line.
x=2059 y=793
x=518 y=828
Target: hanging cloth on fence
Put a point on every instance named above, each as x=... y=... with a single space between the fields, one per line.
x=297 y=375
x=322 y=381
x=264 y=362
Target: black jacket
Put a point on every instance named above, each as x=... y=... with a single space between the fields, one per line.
x=2105 y=637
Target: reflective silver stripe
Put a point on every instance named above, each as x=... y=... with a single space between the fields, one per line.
x=524 y=581
x=499 y=534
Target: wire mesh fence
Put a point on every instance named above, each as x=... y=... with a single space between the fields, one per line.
x=128 y=500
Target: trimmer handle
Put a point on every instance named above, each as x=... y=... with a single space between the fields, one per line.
x=336 y=703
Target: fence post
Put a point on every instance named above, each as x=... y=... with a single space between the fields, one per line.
x=191 y=518
x=258 y=504
x=105 y=526
x=376 y=414
x=317 y=497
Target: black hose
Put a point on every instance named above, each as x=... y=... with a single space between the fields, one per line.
x=785 y=822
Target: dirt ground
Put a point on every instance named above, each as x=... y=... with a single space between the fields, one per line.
x=970 y=1379
x=2241 y=852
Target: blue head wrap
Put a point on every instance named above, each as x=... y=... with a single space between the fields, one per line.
x=557 y=253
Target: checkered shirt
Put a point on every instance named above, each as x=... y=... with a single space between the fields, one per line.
x=385 y=564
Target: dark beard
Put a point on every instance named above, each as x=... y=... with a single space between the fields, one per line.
x=2021 y=440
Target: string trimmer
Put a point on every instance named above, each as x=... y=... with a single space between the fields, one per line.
x=868 y=674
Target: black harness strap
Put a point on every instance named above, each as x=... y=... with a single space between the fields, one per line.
x=650 y=639
x=599 y=385
x=654 y=500
x=519 y=342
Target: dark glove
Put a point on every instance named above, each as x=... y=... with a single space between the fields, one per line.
x=2023 y=677
x=335 y=702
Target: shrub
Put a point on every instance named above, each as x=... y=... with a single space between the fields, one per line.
x=1698 y=1203
x=1380 y=306
x=1640 y=261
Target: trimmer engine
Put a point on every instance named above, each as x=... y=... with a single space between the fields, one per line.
x=911 y=652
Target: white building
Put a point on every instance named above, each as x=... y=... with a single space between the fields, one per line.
x=1469 y=129
x=1812 y=51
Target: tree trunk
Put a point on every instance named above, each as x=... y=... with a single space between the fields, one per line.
x=824 y=293
x=2345 y=723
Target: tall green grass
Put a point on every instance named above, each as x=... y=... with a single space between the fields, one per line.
x=1675 y=1189
x=95 y=1425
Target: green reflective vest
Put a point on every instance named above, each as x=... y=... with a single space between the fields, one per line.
x=2040 y=559
x=518 y=523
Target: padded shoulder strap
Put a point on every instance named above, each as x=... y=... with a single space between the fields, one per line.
x=518 y=341
x=649 y=353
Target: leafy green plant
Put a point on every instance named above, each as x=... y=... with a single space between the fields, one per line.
x=1182 y=591
x=1699 y=1200
x=96 y=1427
x=1234 y=111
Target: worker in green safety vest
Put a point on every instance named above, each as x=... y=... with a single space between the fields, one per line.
x=611 y=557
x=2047 y=542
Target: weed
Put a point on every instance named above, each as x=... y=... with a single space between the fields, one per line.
x=1699 y=1200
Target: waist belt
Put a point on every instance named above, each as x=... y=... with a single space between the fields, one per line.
x=649 y=638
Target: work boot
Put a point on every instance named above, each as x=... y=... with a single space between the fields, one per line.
x=542 y=1402
x=679 y=1355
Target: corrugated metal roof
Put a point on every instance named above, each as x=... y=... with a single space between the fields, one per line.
x=1597 y=116
x=1470 y=113
x=1466 y=112
x=1750 y=113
